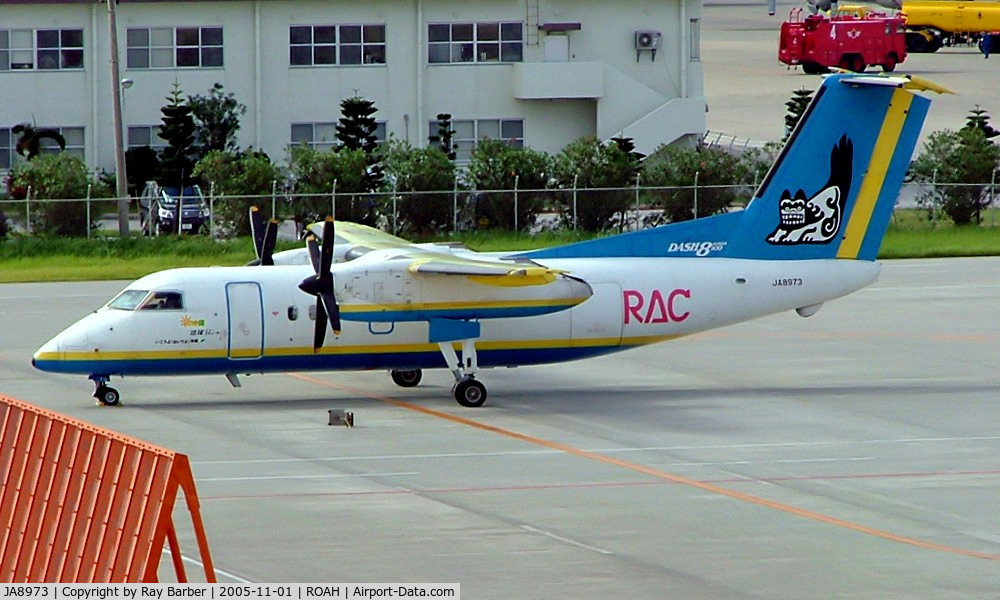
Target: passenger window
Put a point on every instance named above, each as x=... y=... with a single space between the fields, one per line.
x=293 y=313
x=164 y=301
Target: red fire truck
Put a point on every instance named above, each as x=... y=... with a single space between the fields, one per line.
x=849 y=40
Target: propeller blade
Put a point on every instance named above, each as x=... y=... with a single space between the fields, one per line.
x=313 y=252
x=327 y=251
x=270 y=238
x=321 y=284
x=330 y=302
x=257 y=230
x=320 y=334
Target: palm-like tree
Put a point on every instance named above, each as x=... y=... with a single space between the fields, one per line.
x=29 y=143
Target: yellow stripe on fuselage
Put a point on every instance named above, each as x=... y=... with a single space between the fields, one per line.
x=871 y=186
x=333 y=349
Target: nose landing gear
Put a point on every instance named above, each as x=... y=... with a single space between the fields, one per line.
x=106 y=395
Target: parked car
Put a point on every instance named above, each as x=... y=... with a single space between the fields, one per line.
x=158 y=209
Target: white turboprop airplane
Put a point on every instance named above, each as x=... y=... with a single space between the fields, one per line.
x=810 y=234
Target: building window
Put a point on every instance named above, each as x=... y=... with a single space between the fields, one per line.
x=6 y=148
x=145 y=135
x=74 y=142
x=16 y=50
x=60 y=48
x=475 y=42
x=695 y=36
x=310 y=45
x=468 y=132
x=42 y=49
x=323 y=136
x=72 y=135
x=169 y=47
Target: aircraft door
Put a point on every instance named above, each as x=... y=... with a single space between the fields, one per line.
x=598 y=320
x=246 y=320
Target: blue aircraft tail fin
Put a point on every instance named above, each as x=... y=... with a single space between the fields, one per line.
x=833 y=188
x=830 y=193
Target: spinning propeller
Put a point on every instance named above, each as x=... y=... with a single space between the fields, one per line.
x=264 y=238
x=321 y=284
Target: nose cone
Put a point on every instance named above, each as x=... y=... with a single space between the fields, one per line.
x=54 y=355
x=48 y=356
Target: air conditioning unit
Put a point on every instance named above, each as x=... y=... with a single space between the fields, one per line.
x=648 y=40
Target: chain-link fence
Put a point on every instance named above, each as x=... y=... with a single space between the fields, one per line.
x=424 y=214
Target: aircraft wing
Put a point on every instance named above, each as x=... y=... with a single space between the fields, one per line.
x=424 y=261
x=356 y=234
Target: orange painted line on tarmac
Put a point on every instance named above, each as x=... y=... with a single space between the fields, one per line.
x=708 y=487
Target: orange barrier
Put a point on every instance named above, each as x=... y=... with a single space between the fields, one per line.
x=82 y=504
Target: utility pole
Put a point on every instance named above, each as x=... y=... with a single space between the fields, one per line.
x=121 y=182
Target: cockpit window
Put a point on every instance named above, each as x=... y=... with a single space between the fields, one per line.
x=128 y=300
x=163 y=301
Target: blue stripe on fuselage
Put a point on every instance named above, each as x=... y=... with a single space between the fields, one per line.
x=430 y=359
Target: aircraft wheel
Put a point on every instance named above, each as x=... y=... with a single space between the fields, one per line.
x=470 y=393
x=108 y=396
x=406 y=378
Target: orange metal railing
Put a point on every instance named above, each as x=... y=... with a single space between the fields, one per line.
x=83 y=504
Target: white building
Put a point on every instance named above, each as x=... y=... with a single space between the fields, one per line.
x=537 y=72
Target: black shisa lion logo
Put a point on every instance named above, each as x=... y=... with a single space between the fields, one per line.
x=816 y=220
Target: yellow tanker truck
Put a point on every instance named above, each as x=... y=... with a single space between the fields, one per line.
x=930 y=23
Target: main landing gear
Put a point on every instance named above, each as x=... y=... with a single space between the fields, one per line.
x=106 y=395
x=468 y=391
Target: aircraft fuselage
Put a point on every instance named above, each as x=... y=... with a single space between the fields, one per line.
x=255 y=319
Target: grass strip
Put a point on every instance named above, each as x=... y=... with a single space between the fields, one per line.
x=34 y=259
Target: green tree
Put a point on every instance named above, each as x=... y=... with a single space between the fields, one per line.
x=627 y=145
x=239 y=180
x=178 y=129
x=444 y=138
x=594 y=165
x=427 y=177
x=356 y=131
x=54 y=177
x=496 y=165
x=317 y=172
x=675 y=167
x=29 y=139
x=980 y=119
x=217 y=118
x=966 y=159
x=796 y=106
